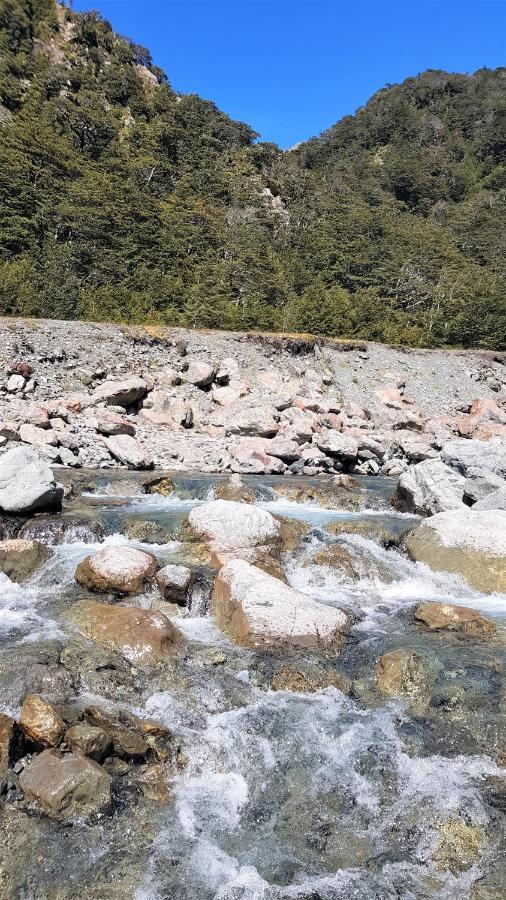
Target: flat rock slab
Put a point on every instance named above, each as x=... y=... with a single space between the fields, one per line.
x=66 y=786
x=116 y=569
x=139 y=635
x=467 y=542
x=230 y=525
x=257 y=610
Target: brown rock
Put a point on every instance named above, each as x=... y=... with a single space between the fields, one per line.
x=448 y=617
x=40 y=722
x=405 y=674
x=68 y=786
x=141 y=636
x=117 y=569
x=19 y=558
x=90 y=741
x=10 y=741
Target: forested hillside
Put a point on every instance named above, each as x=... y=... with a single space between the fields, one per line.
x=121 y=199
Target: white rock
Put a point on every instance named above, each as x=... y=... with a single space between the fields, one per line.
x=430 y=487
x=26 y=483
x=128 y=451
x=15 y=383
x=256 y=610
x=230 y=525
x=334 y=443
x=199 y=373
x=122 y=393
x=471 y=456
x=257 y=421
x=120 y=568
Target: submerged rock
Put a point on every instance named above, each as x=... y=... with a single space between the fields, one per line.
x=27 y=483
x=139 y=635
x=40 y=722
x=467 y=542
x=116 y=569
x=256 y=610
x=20 y=558
x=229 y=525
x=308 y=680
x=448 y=617
x=128 y=451
x=234 y=489
x=429 y=487
x=66 y=786
x=407 y=675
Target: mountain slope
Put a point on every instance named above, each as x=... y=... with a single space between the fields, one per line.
x=121 y=199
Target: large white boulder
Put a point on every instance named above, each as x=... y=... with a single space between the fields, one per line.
x=26 y=483
x=468 y=542
x=430 y=487
x=472 y=457
x=257 y=610
x=119 y=568
x=229 y=525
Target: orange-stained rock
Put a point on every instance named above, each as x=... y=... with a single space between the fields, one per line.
x=68 y=786
x=40 y=722
x=448 y=617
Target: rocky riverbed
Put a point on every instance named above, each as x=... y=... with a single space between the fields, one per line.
x=248 y=687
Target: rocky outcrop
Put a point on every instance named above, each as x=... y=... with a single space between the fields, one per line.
x=467 y=542
x=228 y=525
x=27 y=484
x=429 y=487
x=448 y=617
x=20 y=558
x=119 y=569
x=141 y=636
x=256 y=610
x=67 y=786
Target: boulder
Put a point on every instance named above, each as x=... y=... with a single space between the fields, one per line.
x=229 y=525
x=128 y=451
x=234 y=488
x=494 y=500
x=38 y=437
x=111 y=424
x=429 y=487
x=62 y=530
x=174 y=582
x=467 y=542
x=129 y=392
x=472 y=456
x=116 y=569
x=284 y=449
x=257 y=610
x=26 y=483
x=334 y=443
x=66 y=786
x=10 y=742
x=90 y=741
x=405 y=674
x=481 y=485
x=19 y=558
x=140 y=636
x=254 y=421
x=449 y=617
x=40 y=722
x=199 y=373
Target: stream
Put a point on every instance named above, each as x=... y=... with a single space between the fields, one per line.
x=314 y=794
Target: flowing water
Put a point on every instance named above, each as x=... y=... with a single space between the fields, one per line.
x=310 y=795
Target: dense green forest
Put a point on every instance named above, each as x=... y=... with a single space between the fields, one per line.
x=123 y=200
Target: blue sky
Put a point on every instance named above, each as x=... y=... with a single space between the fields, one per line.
x=291 y=68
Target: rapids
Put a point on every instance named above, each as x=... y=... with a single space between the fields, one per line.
x=311 y=796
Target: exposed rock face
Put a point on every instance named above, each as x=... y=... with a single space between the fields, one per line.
x=19 y=558
x=448 y=617
x=174 y=583
x=471 y=456
x=139 y=635
x=90 y=741
x=467 y=542
x=68 y=786
x=117 y=569
x=430 y=487
x=128 y=451
x=229 y=525
x=406 y=675
x=256 y=610
x=26 y=483
x=122 y=393
x=40 y=722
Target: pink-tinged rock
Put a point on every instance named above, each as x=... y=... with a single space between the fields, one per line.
x=258 y=421
x=33 y=414
x=31 y=434
x=390 y=396
x=353 y=410
x=250 y=456
x=228 y=371
x=487 y=410
x=128 y=451
x=225 y=396
x=288 y=451
x=157 y=417
x=77 y=402
x=334 y=443
x=485 y=431
x=111 y=424
x=9 y=431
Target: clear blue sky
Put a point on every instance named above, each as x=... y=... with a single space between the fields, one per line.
x=291 y=68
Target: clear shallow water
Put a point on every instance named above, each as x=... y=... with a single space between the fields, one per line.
x=310 y=796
